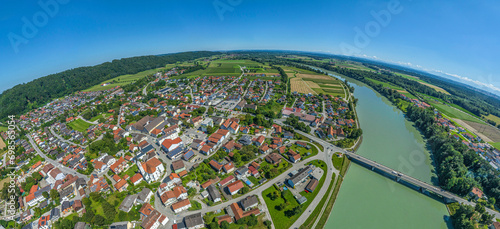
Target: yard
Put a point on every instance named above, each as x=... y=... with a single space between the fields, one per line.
x=79 y=125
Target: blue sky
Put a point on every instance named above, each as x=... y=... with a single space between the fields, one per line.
x=459 y=38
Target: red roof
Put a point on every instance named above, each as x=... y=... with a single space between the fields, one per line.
x=235 y=186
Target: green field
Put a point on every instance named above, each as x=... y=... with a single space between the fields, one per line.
x=79 y=125
x=495 y=144
x=490 y=117
x=454 y=113
x=123 y=80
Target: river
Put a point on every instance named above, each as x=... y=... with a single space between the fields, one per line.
x=369 y=200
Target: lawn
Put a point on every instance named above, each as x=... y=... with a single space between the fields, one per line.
x=490 y=117
x=130 y=171
x=79 y=125
x=105 y=115
x=3 y=128
x=123 y=80
x=279 y=218
x=337 y=161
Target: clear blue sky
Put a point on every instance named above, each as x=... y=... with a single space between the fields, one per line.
x=457 y=37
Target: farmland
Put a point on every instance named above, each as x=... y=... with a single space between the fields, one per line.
x=322 y=84
x=300 y=86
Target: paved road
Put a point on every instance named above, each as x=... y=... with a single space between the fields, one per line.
x=63 y=168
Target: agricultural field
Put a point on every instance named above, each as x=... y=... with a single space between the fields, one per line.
x=486 y=132
x=323 y=84
x=2 y=143
x=123 y=80
x=438 y=89
x=493 y=118
x=300 y=86
x=453 y=112
x=79 y=125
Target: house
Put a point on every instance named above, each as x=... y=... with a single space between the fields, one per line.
x=136 y=179
x=144 y=196
x=214 y=193
x=253 y=171
x=288 y=135
x=249 y=202
x=170 y=144
x=234 y=187
x=302 y=144
x=259 y=140
x=206 y=149
x=176 y=153
x=121 y=185
x=242 y=171
x=181 y=205
x=476 y=193
x=151 y=170
x=154 y=220
x=177 y=193
x=215 y=165
x=172 y=180
x=128 y=203
x=178 y=166
x=205 y=124
x=293 y=156
x=245 y=140
x=227 y=180
x=188 y=155
x=229 y=146
x=118 y=166
x=229 y=167
x=194 y=221
x=273 y=158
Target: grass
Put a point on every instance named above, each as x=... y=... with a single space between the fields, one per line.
x=453 y=113
x=495 y=144
x=3 y=128
x=123 y=80
x=337 y=161
x=195 y=205
x=79 y=125
x=105 y=115
x=130 y=171
x=4 y=181
x=491 y=117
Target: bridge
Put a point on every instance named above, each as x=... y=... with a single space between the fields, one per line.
x=412 y=182
x=401 y=178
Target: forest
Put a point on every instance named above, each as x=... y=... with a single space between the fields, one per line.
x=38 y=92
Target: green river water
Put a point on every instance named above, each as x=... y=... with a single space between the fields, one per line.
x=369 y=200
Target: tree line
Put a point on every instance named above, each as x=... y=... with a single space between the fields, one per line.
x=38 y=92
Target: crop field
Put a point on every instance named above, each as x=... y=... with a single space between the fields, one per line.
x=122 y=80
x=491 y=133
x=322 y=84
x=300 y=86
x=312 y=84
x=493 y=118
x=79 y=125
x=2 y=143
x=438 y=89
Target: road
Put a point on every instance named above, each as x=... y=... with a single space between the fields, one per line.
x=61 y=167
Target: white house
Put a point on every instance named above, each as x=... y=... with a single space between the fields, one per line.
x=151 y=170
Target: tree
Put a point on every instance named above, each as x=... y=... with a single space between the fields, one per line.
x=54 y=195
x=224 y=225
x=98 y=220
x=122 y=216
x=45 y=195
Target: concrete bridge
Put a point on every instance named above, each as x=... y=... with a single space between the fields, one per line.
x=411 y=182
